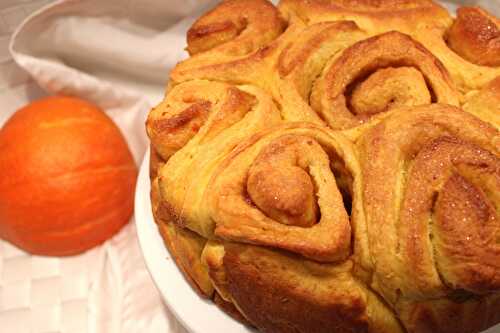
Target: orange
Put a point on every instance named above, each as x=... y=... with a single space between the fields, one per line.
x=67 y=177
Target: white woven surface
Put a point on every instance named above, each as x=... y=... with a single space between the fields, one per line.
x=41 y=294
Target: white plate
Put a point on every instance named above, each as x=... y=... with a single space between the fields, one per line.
x=196 y=314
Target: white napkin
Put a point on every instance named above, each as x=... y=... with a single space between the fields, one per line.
x=116 y=54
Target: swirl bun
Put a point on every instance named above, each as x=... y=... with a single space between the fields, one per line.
x=468 y=47
x=284 y=193
x=227 y=34
x=475 y=35
x=430 y=184
x=237 y=111
x=398 y=71
x=235 y=28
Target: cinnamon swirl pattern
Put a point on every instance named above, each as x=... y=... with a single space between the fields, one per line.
x=207 y=120
x=376 y=75
x=284 y=193
x=475 y=35
x=469 y=47
x=334 y=165
x=431 y=186
x=228 y=33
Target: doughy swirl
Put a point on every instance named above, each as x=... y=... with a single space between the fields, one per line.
x=204 y=138
x=235 y=28
x=227 y=34
x=186 y=137
x=180 y=116
x=376 y=75
x=431 y=184
x=469 y=47
x=475 y=35
x=283 y=192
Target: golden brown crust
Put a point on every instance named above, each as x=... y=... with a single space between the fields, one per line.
x=464 y=314
x=235 y=27
x=362 y=70
x=313 y=40
x=431 y=181
x=300 y=64
x=389 y=88
x=279 y=293
x=186 y=247
x=231 y=31
x=460 y=46
x=178 y=118
x=310 y=148
x=155 y=162
x=475 y=35
x=278 y=184
x=236 y=113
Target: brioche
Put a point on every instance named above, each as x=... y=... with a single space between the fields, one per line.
x=334 y=166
